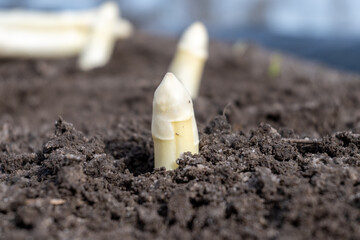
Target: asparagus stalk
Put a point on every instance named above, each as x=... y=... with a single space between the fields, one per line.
x=173 y=127
x=56 y=35
x=81 y=20
x=50 y=20
x=190 y=57
x=99 y=48
x=41 y=44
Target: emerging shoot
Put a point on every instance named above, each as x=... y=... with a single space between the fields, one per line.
x=30 y=43
x=98 y=51
x=33 y=34
x=47 y=20
x=173 y=127
x=191 y=55
x=44 y=21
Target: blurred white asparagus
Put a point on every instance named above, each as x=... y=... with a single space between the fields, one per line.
x=190 y=57
x=57 y=43
x=80 y=20
x=173 y=126
x=101 y=43
x=123 y=29
x=37 y=19
x=55 y=35
x=26 y=43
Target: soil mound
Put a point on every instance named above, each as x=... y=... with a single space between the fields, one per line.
x=279 y=155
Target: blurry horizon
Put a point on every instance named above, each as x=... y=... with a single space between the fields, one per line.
x=327 y=31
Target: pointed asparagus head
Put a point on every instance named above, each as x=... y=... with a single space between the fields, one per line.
x=173 y=126
x=195 y=39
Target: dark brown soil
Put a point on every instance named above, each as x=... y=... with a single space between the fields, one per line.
x=279 y=155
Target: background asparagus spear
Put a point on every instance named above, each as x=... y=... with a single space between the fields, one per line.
x=80 y=20
x=99 y=48
x=41 y=44
x=190 y=57
x=55 y=35
x=42 y=20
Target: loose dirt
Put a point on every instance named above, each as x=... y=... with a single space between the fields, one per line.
x=279 y=153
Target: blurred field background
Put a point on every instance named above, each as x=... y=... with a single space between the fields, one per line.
x=326 y=31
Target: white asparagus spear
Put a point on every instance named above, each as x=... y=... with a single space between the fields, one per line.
x=57 y=43
x=82 y=20
x=190 y=57
x=37 y=19
x=173 y=126
x=51 y=35
x=99 y=48
x=22 y=43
